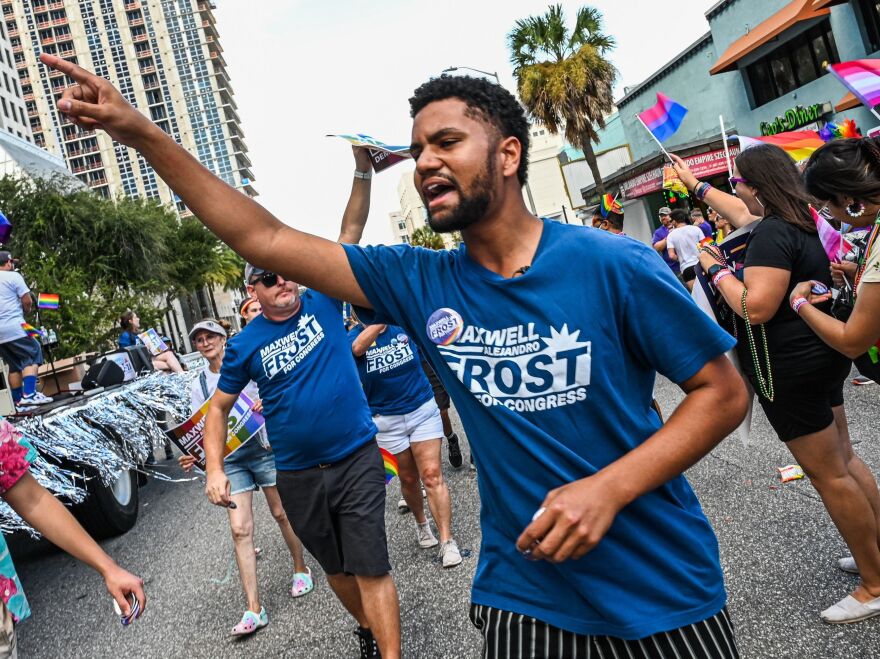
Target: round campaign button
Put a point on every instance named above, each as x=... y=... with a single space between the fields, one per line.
x=444 y=326
x=403 y=338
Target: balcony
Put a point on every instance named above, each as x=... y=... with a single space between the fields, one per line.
x=60 y=21
x=87 y=168
x=18 y=49
x=54 y=73
x=72 y=153
x=151 y=85
x=80 y=135
x=64 y=38
x=131 y=6
x=28 y=97
x=137 y=38
x=56 y=5
x=13 y=31
x=136 y=21
x=34 y=114
x=148 y=69
x=97 y=182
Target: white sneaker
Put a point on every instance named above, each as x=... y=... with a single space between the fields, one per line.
x=402 y=506
x=449 y=554
x=848 y=564
x=425 y=536
x=33 y=400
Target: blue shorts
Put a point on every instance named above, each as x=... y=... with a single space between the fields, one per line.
x=20 y=353
x=250 y=467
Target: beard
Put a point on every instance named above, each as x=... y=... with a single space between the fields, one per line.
x=472 y=207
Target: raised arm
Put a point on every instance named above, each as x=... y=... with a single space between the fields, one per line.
x=729 y=206
x=216 y=483
x=365 y=339
x=354 y=219
x=318 y=263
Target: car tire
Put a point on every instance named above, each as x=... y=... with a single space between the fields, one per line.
x=109 y=510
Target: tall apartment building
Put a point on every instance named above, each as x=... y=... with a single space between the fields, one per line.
x=166 y=59
x=12 y=119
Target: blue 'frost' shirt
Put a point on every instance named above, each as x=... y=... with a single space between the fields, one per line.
x=552 y=374
x=391 y=372
x=313 y=401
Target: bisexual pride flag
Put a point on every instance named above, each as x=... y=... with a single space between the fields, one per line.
x=862 y=78
x=5 y=228
x=48 y=301
x=664 y=118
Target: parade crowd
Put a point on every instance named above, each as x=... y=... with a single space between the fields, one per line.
x=545 y=337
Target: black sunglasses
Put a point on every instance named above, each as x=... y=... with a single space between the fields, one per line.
x=267 y=279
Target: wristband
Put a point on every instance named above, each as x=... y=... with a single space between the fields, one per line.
x=704 y=191
x=366 y=176
x=721 y=274
x=797 y=303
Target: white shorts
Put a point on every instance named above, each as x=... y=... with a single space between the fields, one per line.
x=398 y=431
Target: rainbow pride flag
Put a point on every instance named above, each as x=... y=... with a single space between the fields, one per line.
x=32 y=331
x=610 y=205
x=48 y=301
x=799 y=144
x=862 y=78
x=664 y=118
x=390 y=465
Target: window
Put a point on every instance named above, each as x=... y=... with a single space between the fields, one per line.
x=793 y=64
x=870 y=11
x=5 y=109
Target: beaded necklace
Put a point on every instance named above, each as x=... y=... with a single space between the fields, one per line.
x=765 y=385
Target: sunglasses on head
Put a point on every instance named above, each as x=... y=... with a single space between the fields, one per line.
x=733 y=180
x=267 y=279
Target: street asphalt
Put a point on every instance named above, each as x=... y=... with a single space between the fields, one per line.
x=778 y=548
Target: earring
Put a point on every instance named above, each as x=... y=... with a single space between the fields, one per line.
x=855 y=209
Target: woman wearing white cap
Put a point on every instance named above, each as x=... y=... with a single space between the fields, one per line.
x=252 y=466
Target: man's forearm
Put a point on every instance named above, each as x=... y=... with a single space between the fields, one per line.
x=215 y=438
x=354 y=219
x=684 y=439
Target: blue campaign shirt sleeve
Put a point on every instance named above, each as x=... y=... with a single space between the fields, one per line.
x=663 y=326
x=234 y=375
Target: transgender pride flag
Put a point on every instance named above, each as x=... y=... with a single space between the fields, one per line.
x=862 y=78
x=663 y=119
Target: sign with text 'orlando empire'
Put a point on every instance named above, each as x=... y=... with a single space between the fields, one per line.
x=526 y=367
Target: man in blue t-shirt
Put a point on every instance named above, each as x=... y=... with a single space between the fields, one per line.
x=409 y=426
x=592 y=537
x=660 y=235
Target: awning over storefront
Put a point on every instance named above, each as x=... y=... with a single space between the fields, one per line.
x=793 y=13
x=848 y=102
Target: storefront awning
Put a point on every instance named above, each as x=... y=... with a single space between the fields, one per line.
x=794 y=12
x=848 y=102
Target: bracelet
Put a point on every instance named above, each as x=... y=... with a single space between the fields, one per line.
x=704 y=190
x=697 y=188
x=721 y=274
x=797 y=303
x=366 y=176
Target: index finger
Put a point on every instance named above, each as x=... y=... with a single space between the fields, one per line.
x=676 y=159
x=141 y=596
x=73 y=70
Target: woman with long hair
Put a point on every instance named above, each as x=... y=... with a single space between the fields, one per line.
x=249 y=468
x=131 y=324
x=798 y=377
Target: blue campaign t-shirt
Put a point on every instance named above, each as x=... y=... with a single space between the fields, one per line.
x=662 y=233
x=552 y=374
x=314 y=405
x=391 y=372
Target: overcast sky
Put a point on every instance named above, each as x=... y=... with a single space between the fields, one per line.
x=303 y=68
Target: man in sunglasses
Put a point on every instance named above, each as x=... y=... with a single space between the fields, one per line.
x=330 y=474
x=549 y=347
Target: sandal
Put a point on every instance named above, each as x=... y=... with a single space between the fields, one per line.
x=251 y=622
x=302 y=583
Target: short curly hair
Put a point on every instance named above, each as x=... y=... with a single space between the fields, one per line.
x=485 y=100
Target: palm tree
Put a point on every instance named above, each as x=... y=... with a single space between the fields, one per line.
x=425 y=237
x=563 y=78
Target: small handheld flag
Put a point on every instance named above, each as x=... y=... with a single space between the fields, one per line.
x=862 y=78
x=32 y=331
x=799 y=144
x=664 y=118
x=390 y=465
x=5 y=228
x=48 y=301
x=834 y=244
x=610 y=205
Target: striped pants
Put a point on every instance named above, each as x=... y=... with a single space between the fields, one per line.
x=508 y=635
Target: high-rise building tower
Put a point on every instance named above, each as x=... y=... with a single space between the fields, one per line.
x=166 y=59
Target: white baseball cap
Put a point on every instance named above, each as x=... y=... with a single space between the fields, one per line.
x=209 y=326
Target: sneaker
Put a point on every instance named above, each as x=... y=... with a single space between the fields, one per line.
x=251 y=622
x=861 y=380
x=848 y=564
x=34 y=399
x=369 y=647
x=455 y=458
x=450 y=556
x=402 y=506
x=425 y=536
x=302 y=583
